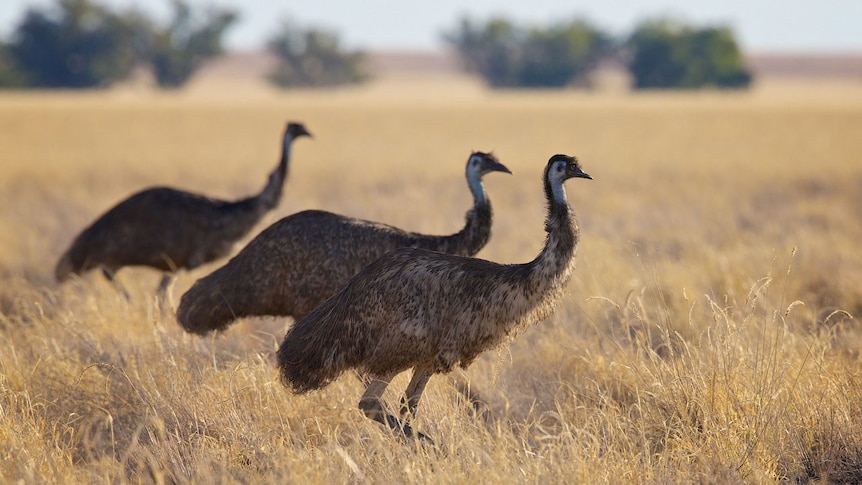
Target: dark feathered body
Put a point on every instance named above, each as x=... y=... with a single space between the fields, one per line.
x=163 y=228
x=169 y=229
x=295 y=263
x=431 y=311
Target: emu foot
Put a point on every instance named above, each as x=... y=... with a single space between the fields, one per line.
x=406 y=430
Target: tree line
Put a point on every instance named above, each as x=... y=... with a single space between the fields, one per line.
x=83 y=44
x=658 y=54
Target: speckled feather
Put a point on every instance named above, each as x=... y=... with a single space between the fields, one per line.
x=169 y=229
x=300 y=260
x=415 y=308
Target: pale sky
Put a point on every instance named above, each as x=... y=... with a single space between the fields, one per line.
x=760 y=25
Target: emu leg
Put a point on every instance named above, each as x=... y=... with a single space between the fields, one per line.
x=163 y=295
x=478 y=405
x=372 y=405
x=415 y=388
x=109 y=275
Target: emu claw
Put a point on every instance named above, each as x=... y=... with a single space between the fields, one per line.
x=406 y=430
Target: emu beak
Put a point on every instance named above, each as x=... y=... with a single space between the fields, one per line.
x=496 y=167
x=580 y=174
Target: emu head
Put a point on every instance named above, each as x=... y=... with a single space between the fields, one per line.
x=481 y=163
x=561 y=168
x=295 y=130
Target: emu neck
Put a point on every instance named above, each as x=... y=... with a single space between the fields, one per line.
x=477 y=228
x=271 y=193
x=562 y=239
x=245 y=213
x=553 y=267
x=474 y=181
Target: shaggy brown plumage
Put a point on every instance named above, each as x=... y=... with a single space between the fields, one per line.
x=170 y=229
x=430 y=311
x=294 y=264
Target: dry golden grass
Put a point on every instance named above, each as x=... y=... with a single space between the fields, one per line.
x=706 y=336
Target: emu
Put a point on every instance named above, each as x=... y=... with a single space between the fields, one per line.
x=169 y=229
x=296 y=263
x=430 y=311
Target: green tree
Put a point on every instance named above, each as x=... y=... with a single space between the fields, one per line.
x=81 y=44
x=10 y=75
x=313 y=58
x=562 y=54
x=179 y=49
x=667 y=54
x=490 y=50
x=506 y=55
x=77 y=44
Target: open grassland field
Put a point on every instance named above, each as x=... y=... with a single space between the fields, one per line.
x=707 y=335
